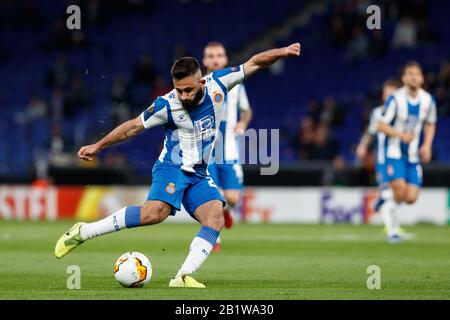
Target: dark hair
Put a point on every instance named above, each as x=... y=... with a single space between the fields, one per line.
x=184 y=67
x=391 y=83
x=214 y=44
x=410 y=64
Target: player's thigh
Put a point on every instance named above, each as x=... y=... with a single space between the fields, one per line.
x=414 y=174
x=154 y=211
x=168 y=186
x=210 y=214
x=398 y=187
x=395 y=175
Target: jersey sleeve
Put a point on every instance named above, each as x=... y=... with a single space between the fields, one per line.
x=372 y=128
x=390 y=110
x=432 y=114
x=243 y=103
x=229 y=77
x=156 y=114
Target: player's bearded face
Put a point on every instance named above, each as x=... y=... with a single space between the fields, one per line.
x=190 y=90
x=189 y=103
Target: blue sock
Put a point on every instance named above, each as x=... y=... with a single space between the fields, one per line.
x=133 y=216
x=209 y=234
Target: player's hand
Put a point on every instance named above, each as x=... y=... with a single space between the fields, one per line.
x=406 y=137
x=292 y=51
x=425 y=154
x=361 y=152
x=240 y=128
x=88 y=153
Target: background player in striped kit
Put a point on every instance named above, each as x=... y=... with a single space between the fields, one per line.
x=409 y=112
x=372 y=134
x=225 y=168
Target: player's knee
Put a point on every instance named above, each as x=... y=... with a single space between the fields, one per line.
x=153 y=212
x=399 y=196
x=411 y=198
x=216 y=220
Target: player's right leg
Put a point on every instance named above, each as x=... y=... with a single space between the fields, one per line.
x=151 y=212
x=210 y=215
x=204 y=202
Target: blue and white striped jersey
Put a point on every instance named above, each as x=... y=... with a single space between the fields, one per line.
x=190 y=134
x=406 y=114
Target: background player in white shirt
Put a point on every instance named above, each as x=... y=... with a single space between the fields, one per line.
x=371 y=133
x=409 y=112
x=225 y=168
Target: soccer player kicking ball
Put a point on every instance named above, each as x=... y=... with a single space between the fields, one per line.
x=191 y=115
x=224 y=167
x=409 y=111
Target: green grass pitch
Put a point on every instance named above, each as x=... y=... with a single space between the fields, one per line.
x=256 y=262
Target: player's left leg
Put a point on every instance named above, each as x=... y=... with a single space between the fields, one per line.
x=152 y=212
x=205 y=203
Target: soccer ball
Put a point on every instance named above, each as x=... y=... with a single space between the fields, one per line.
x=133 y=270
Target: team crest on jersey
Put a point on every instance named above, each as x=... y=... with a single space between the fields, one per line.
x=218 y=97
x=171 y=95
x=390 y=170
x=170 y=188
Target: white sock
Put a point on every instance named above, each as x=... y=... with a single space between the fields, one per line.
x=127 y=217
x=390 y=217
x=200 y=249
x=218 y=239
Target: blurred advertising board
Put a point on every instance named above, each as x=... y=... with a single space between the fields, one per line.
x=259 y=204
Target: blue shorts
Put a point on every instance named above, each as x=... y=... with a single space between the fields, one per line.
x=380 y=174
x=228 y=176
x=174 y=186
x=402 y=169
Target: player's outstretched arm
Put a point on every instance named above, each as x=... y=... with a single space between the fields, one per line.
x=269 y=57
x=123 y=132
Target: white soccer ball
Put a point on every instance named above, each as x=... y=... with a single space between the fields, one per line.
x=133 y=270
